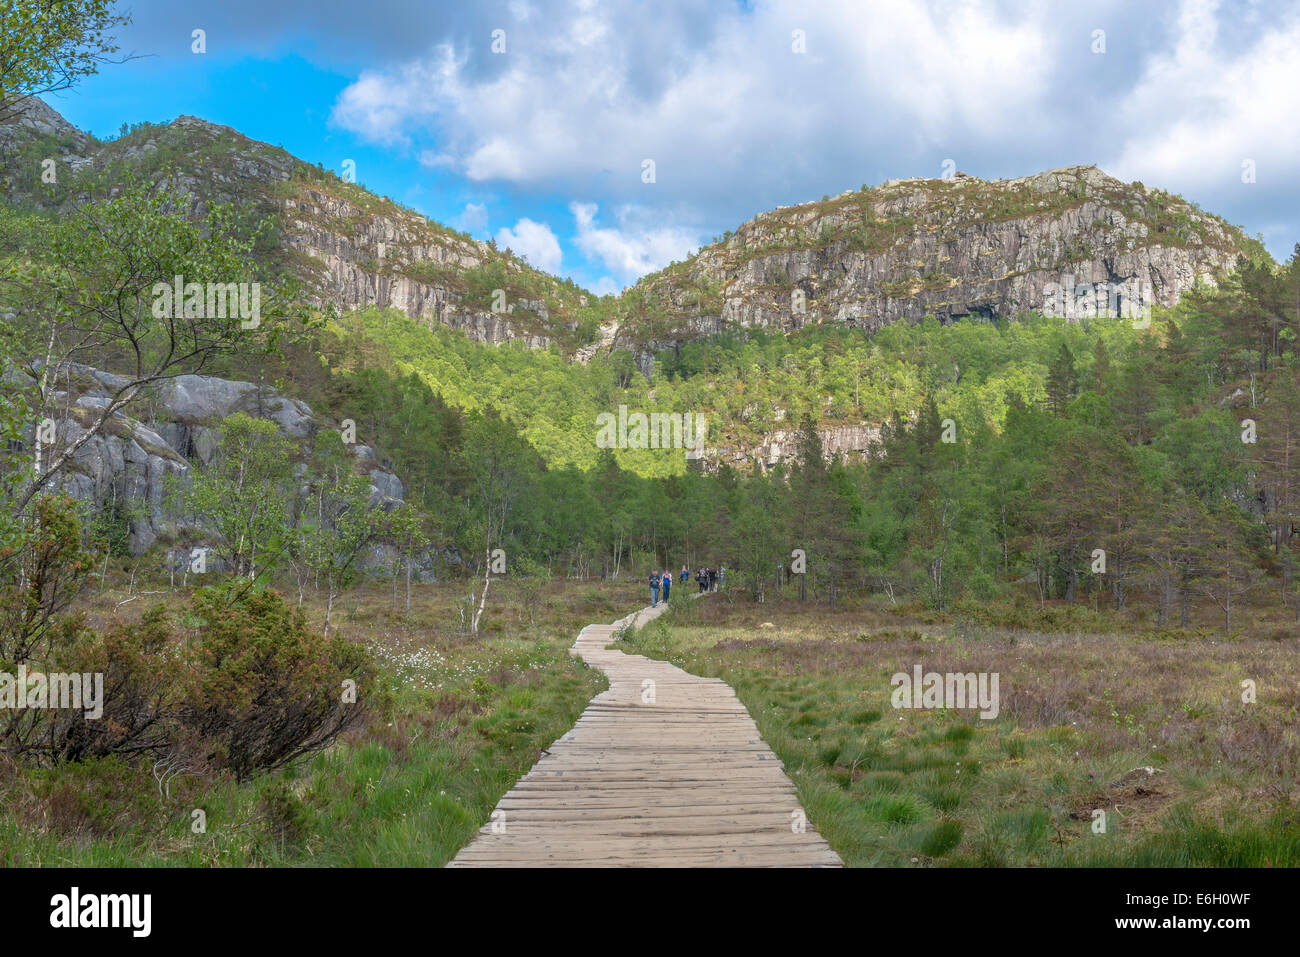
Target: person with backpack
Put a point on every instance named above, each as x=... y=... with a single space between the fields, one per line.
x=654 y=588
x=668 y=583
x=713 y=578
x=703 y=578
x=686 y=573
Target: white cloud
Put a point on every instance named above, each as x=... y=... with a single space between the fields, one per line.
x=535 y=242
x=605 y=285
x=521 y=11
x=472 y=219
x=431 y=159
x=737 y=122
x=631 y=249
x=1202 y=108
x=381 y=106
x=597 y=89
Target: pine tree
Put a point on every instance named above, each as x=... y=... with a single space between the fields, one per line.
x=1064 y=509
x=1277 y=458
x=1136 y=400
x=1062 y=381
x=820 y=522
x=1100 y=366
x=1229 y=569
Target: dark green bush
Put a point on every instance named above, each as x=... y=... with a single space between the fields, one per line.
x=264 y=688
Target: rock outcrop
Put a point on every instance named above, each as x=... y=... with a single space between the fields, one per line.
x=129 y=466
x=351 y=248
x=1071 y=241
x=896 y=252
x=781 y=447
x=363 y=259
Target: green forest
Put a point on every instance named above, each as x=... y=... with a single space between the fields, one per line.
x=1088 y=462
x=1009 y=452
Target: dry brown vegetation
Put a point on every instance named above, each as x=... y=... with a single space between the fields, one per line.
x=1081 y=718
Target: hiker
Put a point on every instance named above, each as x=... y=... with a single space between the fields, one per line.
x=668 y=584
x=654 y=588
x=722 y=577
x=703 y=578
x=713 y=579
x=686 y=573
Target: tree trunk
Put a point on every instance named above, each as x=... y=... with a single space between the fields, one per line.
x=487 y=580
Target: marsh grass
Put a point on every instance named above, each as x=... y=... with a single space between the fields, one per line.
x=1079 y=714
x=470 y=715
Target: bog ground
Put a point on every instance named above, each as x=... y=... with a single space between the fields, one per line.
x=472 y=716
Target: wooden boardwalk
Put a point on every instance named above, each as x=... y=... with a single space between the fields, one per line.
x=665 y=769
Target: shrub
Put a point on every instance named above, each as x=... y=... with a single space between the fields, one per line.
x=264 y=688
x=110 y=529
x=139 y=709
x=284 y=816
x=257 y=689
x=40 y=574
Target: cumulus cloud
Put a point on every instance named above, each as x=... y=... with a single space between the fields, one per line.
x=715 y=95
x=381 y=106
x=632 y=248
x=534 y=241
x=738 y=122
x=472 y=219
x=1203 y=107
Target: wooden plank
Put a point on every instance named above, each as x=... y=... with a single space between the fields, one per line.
x=683 y=780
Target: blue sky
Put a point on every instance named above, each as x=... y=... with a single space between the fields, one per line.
x=542 y=141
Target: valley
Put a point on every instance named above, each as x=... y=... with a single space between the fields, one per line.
x=269 y=435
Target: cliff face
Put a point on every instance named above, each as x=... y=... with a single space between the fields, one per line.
x=352 y=248
x=781 y=447
x=357 y=258
x=895 y=252
x=133 y=461
x=1066 y=241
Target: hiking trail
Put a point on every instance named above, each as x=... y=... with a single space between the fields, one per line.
x=664 y=769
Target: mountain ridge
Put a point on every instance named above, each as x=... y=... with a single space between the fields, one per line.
x=953 y=247
x=352 y=248
x=900 y=251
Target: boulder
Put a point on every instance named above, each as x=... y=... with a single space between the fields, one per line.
x=133 y=462
x=127 y=465
x=201 y=399
x=385 y=489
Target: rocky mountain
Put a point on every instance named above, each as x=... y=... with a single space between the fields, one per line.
x=899 y=251
x=351 y=248
x=781 y=447
x=1071 y=242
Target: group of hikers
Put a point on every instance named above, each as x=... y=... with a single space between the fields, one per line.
x=709 y=579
